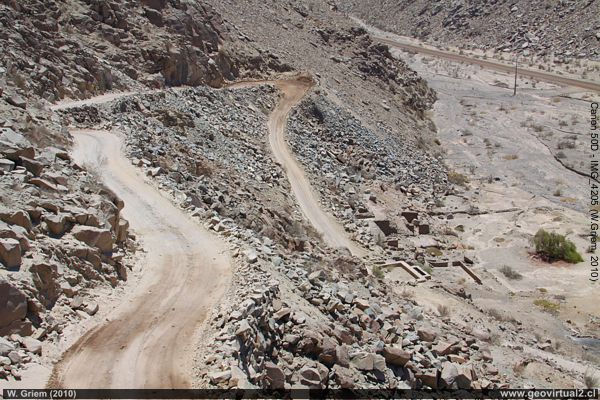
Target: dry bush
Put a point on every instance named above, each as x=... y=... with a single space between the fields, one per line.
x=494 y=313
x=557 y=345
x=202 y=167
x=443 y=310
x=18 y=80
x=499 y=316
x=457 y=178
x=510 y=273
x=591 y=379
x=565 y=144
x=537 y=128
x=406 y=293
x=519 y=367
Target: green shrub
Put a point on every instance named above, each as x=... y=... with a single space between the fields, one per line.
x=378 y=272
x=553 y=246
x=547 y=305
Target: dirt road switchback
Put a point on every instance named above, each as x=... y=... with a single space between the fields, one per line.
x=146 y=342
x=333 y=233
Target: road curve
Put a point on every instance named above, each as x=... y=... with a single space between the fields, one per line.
x=494 y=65
x=293 y=91
x=333 y=233
x=147 y=341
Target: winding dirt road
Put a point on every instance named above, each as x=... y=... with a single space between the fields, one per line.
x=293 y=91
x=333 y=233
x=147 y=342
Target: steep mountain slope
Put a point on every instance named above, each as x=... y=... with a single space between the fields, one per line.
x=76 y=49
x=299 y=310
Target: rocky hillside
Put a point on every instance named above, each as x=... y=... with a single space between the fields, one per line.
x=350 y=67
x=564 y=29
x=298 y=312
x=76 y=49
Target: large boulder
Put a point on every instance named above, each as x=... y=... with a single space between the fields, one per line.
x=429 y=377
x=6 y=165
x=344 y=377
x=18 y=217
x=122 y=230
x=396 y=356
x=32 y=345
x=274 y=376
x=155 y=4
x=465 y=376
x=45 y=277
x=13 y=305
x=427 y=334
x=88 y=217
x=449 y=374
x=442 y=348
x=14 y=145
x=310 y=377
x=57 y=224
x=15 y=232
x=31 y=165
x=43 y=184
x=5 y=347
x=342 y=357
x=328 y=352
x=10 y=253
x=99 y=238
x=363 y=361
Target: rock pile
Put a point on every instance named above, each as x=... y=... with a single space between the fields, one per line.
x=350 y=160
x=298 y=314
x=310 y=323
x=209 y=150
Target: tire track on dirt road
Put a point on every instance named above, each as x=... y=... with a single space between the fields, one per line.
x=293 y=90
x=147 y=343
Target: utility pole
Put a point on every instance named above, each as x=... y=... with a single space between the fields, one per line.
x=516 y=67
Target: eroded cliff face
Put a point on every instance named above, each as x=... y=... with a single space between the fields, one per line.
x=76 y=49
